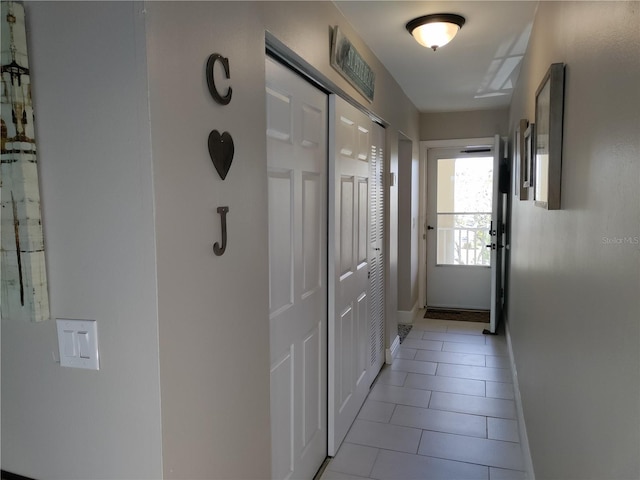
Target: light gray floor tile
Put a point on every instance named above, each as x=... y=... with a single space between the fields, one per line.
x=391 y=377
x=493 y=453
x=401 y=395
x=402 y=466
x=384 y=435
x=440 y=421
x=500 y=390
x=469 y=328
x=498 y=362
x=445 y=384
x=414 y=366
x=449 y=357
x=459 y=423
x=478 y=349
x=454 y=337
x=331 y=475
x=502 y=429
x=375 y=411
x=502 y=474
x=474 y=373
x=423 y=344
x=354 y=460
x=430 y=325
x=415 y=334
x=408 y=353
x=490 y=407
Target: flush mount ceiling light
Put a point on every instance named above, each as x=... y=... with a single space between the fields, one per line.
x=434 y=31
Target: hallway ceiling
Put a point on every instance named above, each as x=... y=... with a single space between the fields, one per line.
x=476 y=71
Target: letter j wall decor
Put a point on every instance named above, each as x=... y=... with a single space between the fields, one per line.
x=23 y=276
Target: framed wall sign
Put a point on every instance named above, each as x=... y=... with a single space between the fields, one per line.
x=548 y=138
x=529 y=158
x=348 y=62
x=522 y=170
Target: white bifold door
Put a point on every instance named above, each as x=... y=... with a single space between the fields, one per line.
x=356 y=325
x=325 y=168
x=297 y=140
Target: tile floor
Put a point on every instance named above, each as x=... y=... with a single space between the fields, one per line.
x=444 y=410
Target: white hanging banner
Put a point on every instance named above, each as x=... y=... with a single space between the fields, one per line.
x=23 y=276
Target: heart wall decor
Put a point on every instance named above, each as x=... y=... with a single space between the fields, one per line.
x=221 y=150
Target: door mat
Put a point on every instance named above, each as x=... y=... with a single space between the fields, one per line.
x=482 y=316
x=403 y=330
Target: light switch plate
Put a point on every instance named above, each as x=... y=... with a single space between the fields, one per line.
x=78 y=343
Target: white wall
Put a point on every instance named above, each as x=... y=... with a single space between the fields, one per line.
x=213 y=311
x=574 y=308
x=92 y=127
x=408 y=229
x=468 y=124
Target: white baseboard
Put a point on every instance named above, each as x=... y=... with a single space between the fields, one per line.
x=392 y=351
x=405 y=316
x=524 y=439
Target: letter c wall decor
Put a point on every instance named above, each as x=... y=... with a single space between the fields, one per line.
x=211 y=83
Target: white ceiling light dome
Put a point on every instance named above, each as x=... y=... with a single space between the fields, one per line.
x=435 y=31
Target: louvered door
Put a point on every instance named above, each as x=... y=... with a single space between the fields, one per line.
x=376 y=251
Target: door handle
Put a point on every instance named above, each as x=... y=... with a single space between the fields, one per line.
x=429 y=227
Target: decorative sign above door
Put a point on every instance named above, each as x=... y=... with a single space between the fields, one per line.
x=346 y=60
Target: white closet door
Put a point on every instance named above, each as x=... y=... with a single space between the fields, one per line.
x=349 y=340
x=297 y=164
x=376 y=263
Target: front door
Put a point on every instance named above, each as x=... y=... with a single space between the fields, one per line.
x=297 y=169
x=459 y=208
x=497 y=232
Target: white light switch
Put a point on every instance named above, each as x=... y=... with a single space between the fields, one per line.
x=68 y=343
x=83 y=343
x=78 y=343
